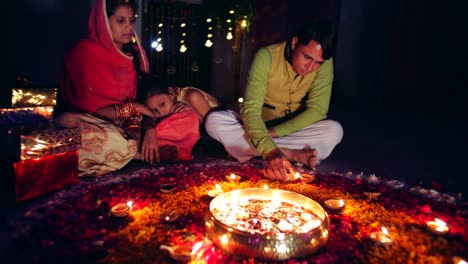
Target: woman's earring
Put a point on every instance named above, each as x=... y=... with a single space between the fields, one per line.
x=134 y=40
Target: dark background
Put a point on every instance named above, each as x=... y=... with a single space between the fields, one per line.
x=400 y=74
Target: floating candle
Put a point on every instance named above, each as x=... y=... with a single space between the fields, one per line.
x=437 y=226
x=233 y=178
x=382 y=237
x=335 y=204
x=122 y=209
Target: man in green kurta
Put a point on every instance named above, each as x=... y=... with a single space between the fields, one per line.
x=286 y=103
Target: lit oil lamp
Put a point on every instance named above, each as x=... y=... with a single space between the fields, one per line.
x=382 y=237
x=122 y=209
x=304 y=177
x=182 y=253
x=169 y=217
x=233 y=178
x=437 y=226
x=215 y=192
x=459 y=260
x=335 y=204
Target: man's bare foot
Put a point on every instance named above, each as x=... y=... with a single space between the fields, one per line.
x=168 y=153
x=307 y=157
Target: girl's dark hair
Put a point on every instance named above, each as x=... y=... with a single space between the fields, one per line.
x=320 y=30
x=150 y=85
x=111 y=7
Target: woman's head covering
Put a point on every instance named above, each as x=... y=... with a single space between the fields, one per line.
x=96 y=73
x=99 y=29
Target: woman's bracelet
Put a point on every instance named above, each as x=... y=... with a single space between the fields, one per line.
x=133 y=122
x=125 y=110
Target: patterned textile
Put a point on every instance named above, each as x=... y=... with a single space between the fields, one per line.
x=105 y=147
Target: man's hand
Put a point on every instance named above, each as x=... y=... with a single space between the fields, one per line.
x=150 y=146
x=278 y=166
x=272 y=133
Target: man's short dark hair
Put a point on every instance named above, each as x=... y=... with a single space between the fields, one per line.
x=320 y=30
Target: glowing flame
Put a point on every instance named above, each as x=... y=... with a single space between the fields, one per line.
x=384 y=230
x=196 y=247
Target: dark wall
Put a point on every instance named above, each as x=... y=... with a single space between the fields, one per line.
x=402 y=56
x=427 y=70
x=396 y=55
x=37 y=34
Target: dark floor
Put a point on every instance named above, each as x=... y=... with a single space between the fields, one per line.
x=416 y=149
x=413 y=148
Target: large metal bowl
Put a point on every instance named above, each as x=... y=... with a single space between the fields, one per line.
x=294 y=245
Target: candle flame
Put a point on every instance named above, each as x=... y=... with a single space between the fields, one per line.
x=462 y=262
x=244 y=23
x=440 y=222
x=233 y=176
x=265 y=186
x=218 y=187
x=196 y=247
x=384 y=230
x=224 y=239
x=130 y=203
x=341 y=203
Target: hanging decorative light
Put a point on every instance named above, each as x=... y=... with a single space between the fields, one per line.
x=157 y=45
x=208 y=43
x=244 y=23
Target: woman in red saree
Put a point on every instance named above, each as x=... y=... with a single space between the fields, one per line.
x=97 y=92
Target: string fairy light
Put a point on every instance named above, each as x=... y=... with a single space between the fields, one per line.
x=208 y=42
x=173 y=31
x=183 y=47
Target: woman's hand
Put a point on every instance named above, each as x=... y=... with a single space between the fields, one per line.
x=150 y=146
x=141 y=108
x=278 y=166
